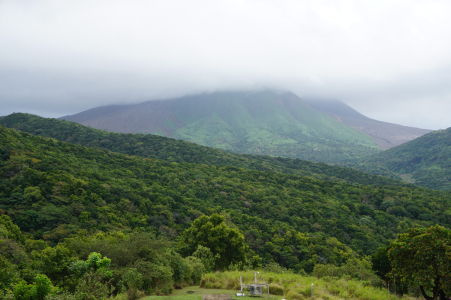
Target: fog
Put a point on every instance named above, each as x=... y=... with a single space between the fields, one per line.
x=390 y=60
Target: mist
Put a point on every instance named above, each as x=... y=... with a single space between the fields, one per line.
x=390 y=60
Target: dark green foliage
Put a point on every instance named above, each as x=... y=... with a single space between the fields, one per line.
x=87 y=190
x=105 y=218
x=225 y=243
x=381 y=263
x=133 y=281
x=154 y=146
x=142 y=264
x=205 y=255
x=425 y=161
x=55 y=262
x=159 y=266
x=354 y=268
x=422 y=258
x=9 y=230
x=38 y=290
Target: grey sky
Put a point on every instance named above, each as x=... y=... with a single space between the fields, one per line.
x=390 y=59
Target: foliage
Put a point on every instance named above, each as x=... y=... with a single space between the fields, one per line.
x=425 y=161
x=78 y=205
x=381 y=263
x=422 y=258
x=355 y=268
x=133 y=281
x=295 y=221
x=225 y=243
x=155 y=266
x=207 y=258
x=55 y=262
x=295 y=286
x=41 y=287
x=159 y=147
x=9 y=230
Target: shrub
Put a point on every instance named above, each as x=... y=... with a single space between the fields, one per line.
x=292 y=295
x=276 y=289
x=41 y=287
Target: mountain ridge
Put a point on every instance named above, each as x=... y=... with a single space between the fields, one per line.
x=160 y=147
x=261 y=122
x=425 y=161
x=385 y=134
x=277 y=123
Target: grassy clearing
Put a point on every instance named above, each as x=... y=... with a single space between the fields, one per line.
x=196 y=293
x=282 y=285
x=297 y=287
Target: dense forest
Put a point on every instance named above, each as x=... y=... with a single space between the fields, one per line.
x=88 y=220
x=425 y=161
x=154 y=146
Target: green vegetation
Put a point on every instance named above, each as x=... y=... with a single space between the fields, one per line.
x=293 y=286
x=422 y=258
x=226 y=244
x=262 y=122
x=154 y=146
x=91 y=267
x=425 y=161
x=54 y=189
x=86 y=223
x=196 y=293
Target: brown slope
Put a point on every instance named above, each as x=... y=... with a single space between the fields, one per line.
x=385 y=135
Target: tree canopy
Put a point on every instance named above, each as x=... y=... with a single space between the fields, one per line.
x=422 y=258
x=225 y=242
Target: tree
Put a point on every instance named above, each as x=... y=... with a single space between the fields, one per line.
x=94 y=276
x=225 y=243
x=381 y=263
x=41 y=287
x=422 y=258
x=54 y=262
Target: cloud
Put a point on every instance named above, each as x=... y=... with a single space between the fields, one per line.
x=60 y=57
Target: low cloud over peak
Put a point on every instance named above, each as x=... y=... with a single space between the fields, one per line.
x=389 y=59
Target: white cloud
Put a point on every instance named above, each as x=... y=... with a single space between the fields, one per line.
x=71 y=55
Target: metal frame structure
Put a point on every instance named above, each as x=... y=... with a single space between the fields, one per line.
x=255 y=289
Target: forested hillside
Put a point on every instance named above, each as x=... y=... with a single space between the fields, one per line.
x=154 y=146
x=259 y=122
x=425 y=161
x=53 y=189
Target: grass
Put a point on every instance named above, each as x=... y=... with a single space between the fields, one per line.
x=297 y=287
x=196 y=293
x=285 y=285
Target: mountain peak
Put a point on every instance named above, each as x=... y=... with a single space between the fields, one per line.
x=265 y=121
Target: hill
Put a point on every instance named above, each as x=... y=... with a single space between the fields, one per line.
x=264 y=122
x=425 y=161
x=54 y=189
x=154 y=146
x=385 y=135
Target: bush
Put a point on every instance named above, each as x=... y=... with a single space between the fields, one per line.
x=41 y=287
x=292 y=295
x=92 y=287
x=354 y=268
x=276 y=289
x=133 y=280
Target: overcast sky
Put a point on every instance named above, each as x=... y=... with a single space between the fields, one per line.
x=389 y=59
